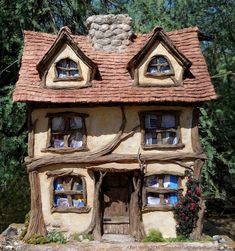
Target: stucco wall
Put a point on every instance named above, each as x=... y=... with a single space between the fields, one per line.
x=67 y=52
x=159 y=49
x=104 y=122
x=72 y=222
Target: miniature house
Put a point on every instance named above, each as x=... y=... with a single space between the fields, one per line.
x=112 y=125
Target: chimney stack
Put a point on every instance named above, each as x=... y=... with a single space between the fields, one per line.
x=110 y=32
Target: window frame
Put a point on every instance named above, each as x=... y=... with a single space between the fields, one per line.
x=177 y=114
x=161 y=191
x=68 y=78
x=158 y=74
x=66 y=116
x=69 y=193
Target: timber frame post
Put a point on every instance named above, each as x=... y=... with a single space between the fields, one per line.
x=198 y=164
x=36 y=222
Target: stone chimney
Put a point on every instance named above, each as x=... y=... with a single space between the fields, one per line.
x=110 y=32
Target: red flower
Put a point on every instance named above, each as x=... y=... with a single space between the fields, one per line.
x=189 y=191
x=198 y=191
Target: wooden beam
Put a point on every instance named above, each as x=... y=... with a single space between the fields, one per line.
x=36 y=163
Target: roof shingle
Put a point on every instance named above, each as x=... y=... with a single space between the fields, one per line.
x=116 y=85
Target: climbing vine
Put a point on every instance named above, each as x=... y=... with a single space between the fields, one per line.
x=187 y=208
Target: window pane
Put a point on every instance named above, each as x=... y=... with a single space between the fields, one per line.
x=153 y=199
x=73 y=73
x=150 y=138
x=168 y=121
x=153 y=61
x=152 y=69
x=57 y=141
x=169 y=138
x=61 y=73
x=76 y=122
x=151 y=181
x=78 y=200
x=165 y=69
x=162 y=60
x=170 y=181
x=62 y=63
x=170 y=199
x=58 y=124
x=150 y=121
x=58 y=184
x=72 y=64
x=61 y=201
x=75 y=140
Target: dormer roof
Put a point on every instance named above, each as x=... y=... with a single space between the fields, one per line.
x=64 y=37
x=115 y=84
x=158 y=35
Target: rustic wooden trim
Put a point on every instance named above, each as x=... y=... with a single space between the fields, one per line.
x=31 y=137
x=163 y=146
x=67 y=114
x=36 y=163
x=79 y=210
x=65 y=149
x=148 y=209
x=36 y=223
x=57 y=79
x=58 y=173
x=198 y=164
x=162 y=190
x=165 y=172
x=195 y=137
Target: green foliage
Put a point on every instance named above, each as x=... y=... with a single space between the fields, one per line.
x=80 y=237
x=187 y=208
x=37 y=239
x=57 y=237
x=26 y=225
x=154 y=235
x=178 y=238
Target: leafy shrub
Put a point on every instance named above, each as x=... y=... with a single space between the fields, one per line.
x=37 y=239
x=57 y=237
x=179 y=238
x=187 y=208
x=154 y=235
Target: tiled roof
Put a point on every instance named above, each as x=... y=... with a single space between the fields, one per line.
x=116 y=84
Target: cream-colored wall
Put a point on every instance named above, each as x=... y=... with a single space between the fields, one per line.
x=103 y=124
x=67 y=52
x=71 y=222
x=163 y=221
x=159 y=49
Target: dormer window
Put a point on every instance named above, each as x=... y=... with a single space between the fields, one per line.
x=67 y=69
x=159 y=65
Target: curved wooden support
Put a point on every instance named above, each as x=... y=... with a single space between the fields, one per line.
x=36 y=223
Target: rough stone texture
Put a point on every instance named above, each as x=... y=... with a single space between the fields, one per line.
x=114 y=27
x=121 y=247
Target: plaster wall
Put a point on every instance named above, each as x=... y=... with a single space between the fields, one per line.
x=71 y=222
x=67 y=52
x=163 y=221
x=103 y=124
x=159 y=49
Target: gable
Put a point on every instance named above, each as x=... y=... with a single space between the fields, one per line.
x=63 y=50
x=159 y=46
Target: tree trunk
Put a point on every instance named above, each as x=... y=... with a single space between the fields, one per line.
x=136 y=221
x=36 y=223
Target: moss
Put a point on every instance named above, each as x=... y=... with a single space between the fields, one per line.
x=57 y=237
x=80 y=237
x=26 y=225
x=154 y=235
x=37 y=239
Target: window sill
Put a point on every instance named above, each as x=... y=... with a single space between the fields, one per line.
x=80 y=210
x=163 y=146
x=148 y=208
x=162 y=190
x=67 y=79
x=157 y=75
x=65 y=149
